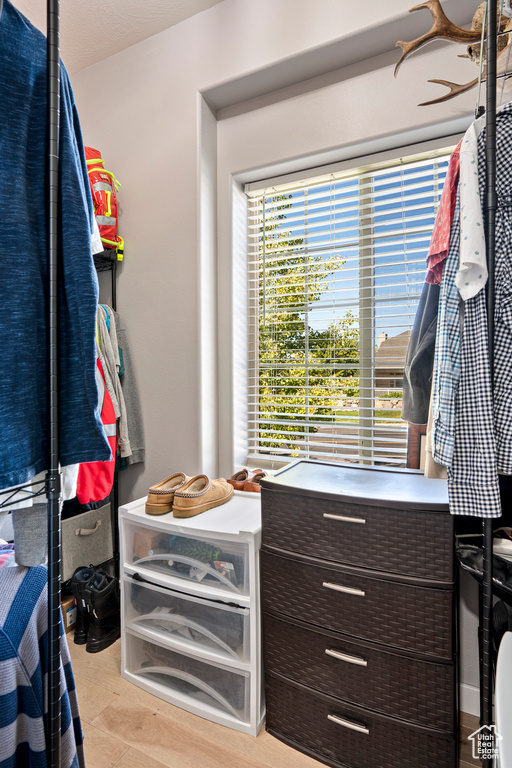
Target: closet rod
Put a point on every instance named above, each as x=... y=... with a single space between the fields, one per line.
x=53 y=475
x=486 y=680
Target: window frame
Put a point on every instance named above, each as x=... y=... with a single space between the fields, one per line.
x=391 y=160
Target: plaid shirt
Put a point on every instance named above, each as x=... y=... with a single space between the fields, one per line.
x=472 y=432
x=446 y=373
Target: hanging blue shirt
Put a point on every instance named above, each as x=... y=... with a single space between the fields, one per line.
x=23 y=268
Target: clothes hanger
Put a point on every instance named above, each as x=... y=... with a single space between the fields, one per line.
x=480 y=109
x=506 y=10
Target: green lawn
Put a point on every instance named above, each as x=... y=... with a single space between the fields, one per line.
x=392 y=413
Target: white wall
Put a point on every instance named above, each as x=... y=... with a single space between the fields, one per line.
x=288 y=85
x=145 y=109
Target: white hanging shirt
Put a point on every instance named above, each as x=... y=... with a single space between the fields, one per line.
x=472 y=273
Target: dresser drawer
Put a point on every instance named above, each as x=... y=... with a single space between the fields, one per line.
x=403 y=615
x=220 y=566
x=342 y=735
x=382 y=538
x=180 y=678
x=212 y=629
x=366 y=675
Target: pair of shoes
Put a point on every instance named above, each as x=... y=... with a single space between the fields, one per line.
x=161 y=496
x=247 y=480
x=97 y=609
x=187 y=496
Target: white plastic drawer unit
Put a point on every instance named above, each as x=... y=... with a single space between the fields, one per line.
x=201 y=687
x=210 y=562
x=190 y=619
x=207 y=628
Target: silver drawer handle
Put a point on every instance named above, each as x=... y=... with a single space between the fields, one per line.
x=348 y=590
x=345 y=519
x=348 y=724
x=345 y=657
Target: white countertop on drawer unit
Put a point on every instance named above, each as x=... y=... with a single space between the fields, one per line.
x=239 y=518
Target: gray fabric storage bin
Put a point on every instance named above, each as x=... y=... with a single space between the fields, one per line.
x=86 y=540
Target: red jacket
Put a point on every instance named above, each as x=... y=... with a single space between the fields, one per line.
x=95 y=480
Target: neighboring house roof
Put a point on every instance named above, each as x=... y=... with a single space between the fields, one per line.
x=392 y=351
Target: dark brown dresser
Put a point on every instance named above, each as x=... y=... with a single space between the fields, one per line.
x=359 y=630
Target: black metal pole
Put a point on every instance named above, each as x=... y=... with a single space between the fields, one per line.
x=490 y=137
x=53 y=475
x=115 y=488
x=114 y=281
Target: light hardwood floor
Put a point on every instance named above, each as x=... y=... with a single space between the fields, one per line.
x=125 y=727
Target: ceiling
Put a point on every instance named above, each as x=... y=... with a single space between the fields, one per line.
x=95 y=29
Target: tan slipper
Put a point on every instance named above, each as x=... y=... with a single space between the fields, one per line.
x=161 y=495
x=200 y=494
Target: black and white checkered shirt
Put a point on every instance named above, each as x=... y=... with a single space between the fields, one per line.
x=483 y=419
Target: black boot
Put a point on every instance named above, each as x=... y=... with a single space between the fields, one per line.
x=102 y=597
x=81 y=578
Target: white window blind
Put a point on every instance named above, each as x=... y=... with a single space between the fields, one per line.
x=336 y=268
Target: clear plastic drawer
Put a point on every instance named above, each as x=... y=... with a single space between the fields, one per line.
x=195 y=683
x=219 y=564
x=187 y=621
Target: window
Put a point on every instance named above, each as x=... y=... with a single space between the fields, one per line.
x=336 y=268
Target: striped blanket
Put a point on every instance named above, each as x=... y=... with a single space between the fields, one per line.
x=23 y=675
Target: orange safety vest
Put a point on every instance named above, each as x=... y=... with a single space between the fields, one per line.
x=104 y=188
x=96 y=478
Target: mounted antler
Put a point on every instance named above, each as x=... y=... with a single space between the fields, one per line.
x=444 y=29
x=455 y=89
